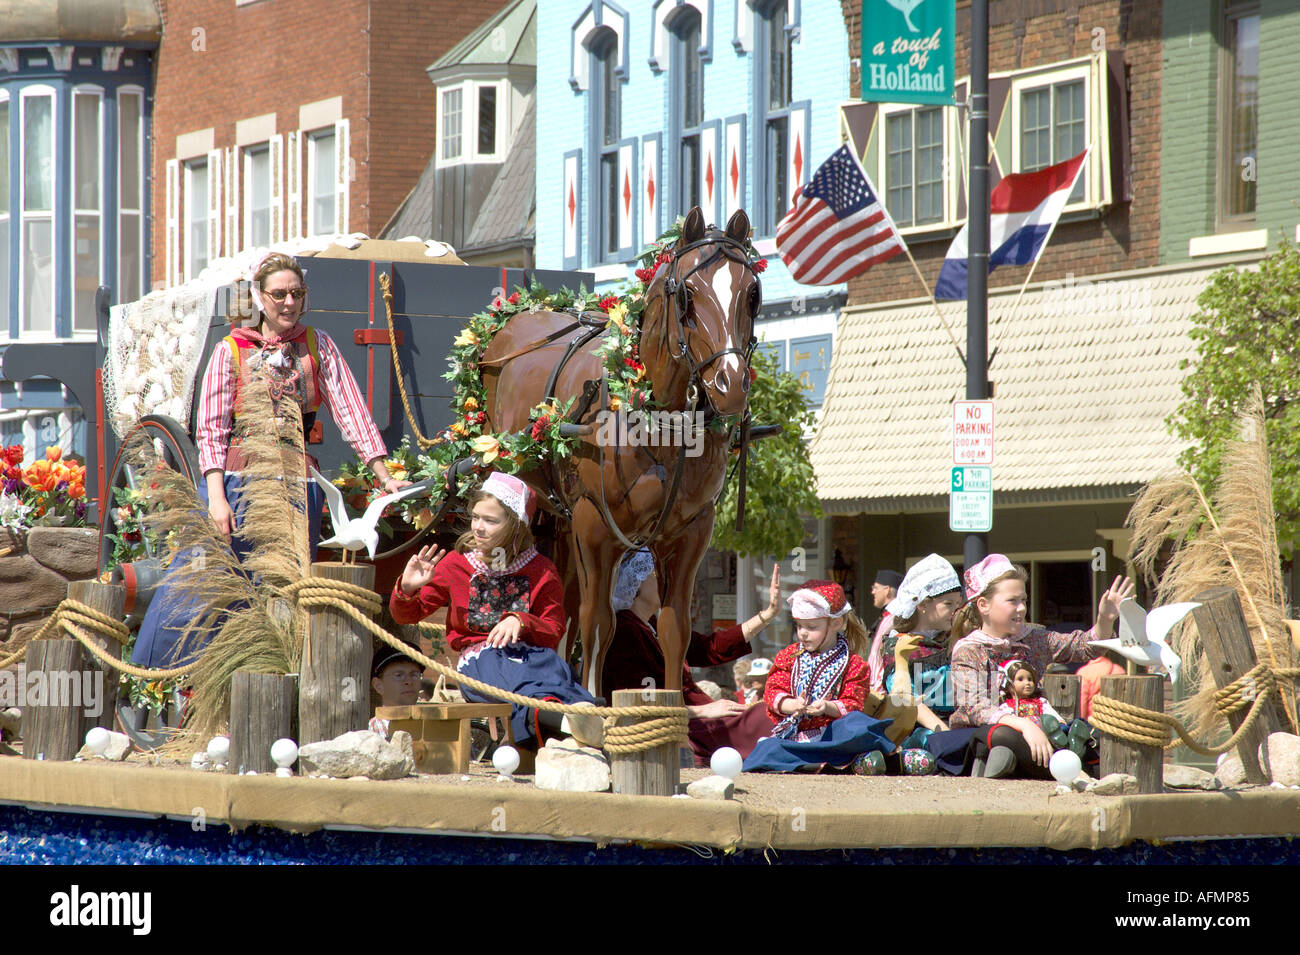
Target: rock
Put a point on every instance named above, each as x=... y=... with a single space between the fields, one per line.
x=70 y=551
x=359 y=753
x=1230 y=771
x=568 y=766
x=1280 y=756
x=119 y=747
x=1189 y=777
x=1082 y=783
x=712 y=787
x=11 y=722
x=26 y=585
x=1114 y=784
x=403 y=741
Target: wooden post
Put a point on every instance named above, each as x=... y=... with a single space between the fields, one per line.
x=109 y=599
x=334 y=687
x=1226 y=639
x=53 y=717
x=1062 y=691
x=263 y=708
x=651 y=772
x=1120 y=756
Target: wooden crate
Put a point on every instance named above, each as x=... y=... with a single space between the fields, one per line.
x=441 y=731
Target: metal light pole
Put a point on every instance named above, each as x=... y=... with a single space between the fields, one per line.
x=976 y=546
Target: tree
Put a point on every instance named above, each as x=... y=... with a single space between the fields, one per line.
x=1247 y=332
x=780 y=485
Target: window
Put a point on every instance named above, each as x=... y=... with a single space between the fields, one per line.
x=914 y=144
x=687 y=107
x=772 y=64
x=87 y=150
x=1239 y=119
x=322 y=164
x=196 y=217
x=4 y=212
x=257 y=196
x=606 y=125
x=130 y=196
x=36 y=306
x=451 y=123
x=1053 y=128
x=487 y=120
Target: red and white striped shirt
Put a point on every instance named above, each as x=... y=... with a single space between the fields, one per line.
x=338 y=390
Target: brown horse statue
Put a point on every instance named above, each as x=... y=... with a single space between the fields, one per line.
x=696 y=340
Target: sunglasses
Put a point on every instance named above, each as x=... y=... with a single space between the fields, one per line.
x=280 y=294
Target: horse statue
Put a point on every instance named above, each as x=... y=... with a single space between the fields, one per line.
x=696 y=339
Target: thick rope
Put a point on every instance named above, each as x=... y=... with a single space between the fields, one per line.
x=1143 y=727
x=386 y=285
x=665 y=724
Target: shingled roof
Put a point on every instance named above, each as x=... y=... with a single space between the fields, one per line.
x=1085 y=376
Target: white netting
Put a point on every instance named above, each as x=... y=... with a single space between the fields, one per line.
x=155 y=344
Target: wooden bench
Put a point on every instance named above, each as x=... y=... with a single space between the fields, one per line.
x=441 y=732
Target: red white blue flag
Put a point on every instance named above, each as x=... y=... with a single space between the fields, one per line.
x=1023 y=209
x=836 y=227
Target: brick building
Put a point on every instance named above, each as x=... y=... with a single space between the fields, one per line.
x=1185 y=112
x=275 y=119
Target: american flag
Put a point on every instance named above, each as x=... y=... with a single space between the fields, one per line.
x=836 y=227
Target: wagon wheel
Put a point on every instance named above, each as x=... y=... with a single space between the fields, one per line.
x=175 y=449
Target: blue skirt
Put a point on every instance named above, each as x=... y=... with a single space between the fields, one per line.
x=170 y=613
x=841 y=742
x=532 y=671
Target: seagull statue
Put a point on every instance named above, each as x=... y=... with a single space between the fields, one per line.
x=351 y=534
x=1142 y=635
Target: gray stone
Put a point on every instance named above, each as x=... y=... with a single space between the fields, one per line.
x=119 y=747
x=568 y=766
x=359 y=753
x=11 y=723
x=1189 y=777
x=1082 y=783
x=1114 y=784
x=70 y=551
x=712 y=787
x=403 y=741
x=1280 y=754
x=26 y=585
x=1230 y=770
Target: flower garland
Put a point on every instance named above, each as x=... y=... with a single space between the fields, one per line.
x=619 y=351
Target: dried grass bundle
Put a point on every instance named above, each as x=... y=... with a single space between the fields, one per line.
x=240 y=606
x=1230 y=543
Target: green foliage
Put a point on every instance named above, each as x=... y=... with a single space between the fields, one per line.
x=1247 y=332
x=781 y=487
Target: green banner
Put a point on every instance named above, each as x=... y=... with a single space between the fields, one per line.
x=908 y=51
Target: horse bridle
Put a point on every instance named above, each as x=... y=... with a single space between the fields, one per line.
x=680 y=296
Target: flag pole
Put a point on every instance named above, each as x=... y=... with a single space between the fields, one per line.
x=935 y=302
x=975 y=546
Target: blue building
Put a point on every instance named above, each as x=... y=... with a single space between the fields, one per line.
x=648 y=107
x=75 y=95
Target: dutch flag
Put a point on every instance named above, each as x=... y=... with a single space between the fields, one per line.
x=1023 y=209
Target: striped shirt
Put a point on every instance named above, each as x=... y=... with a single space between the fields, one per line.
x=338 y=390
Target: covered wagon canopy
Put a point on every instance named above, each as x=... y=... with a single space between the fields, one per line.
x=71 y=21
x=1086 y=373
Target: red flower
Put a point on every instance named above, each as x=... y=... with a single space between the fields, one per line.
x=14 y=454
x=480 y=417
x=608 y=302
x=645 y=275
x=540 y=427
x=753 y=375
x=663 y=257
x=759 y=266
x=513 y=299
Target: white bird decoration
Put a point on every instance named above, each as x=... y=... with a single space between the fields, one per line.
x=351 y=534
x=905 y=7
x=1142 y=635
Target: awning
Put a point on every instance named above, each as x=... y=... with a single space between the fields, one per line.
x=1086 y=372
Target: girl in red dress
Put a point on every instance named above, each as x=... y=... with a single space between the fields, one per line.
x=504 y=600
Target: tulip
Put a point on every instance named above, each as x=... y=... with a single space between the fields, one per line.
x=53 y=452
x=488 y=446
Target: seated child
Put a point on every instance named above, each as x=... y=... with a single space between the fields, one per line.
x=818 y=688
x=396 y=678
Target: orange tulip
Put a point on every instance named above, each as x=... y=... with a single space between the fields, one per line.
x=77 y=490
x=53 y=452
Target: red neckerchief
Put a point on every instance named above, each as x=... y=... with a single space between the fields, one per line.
x=278 y=353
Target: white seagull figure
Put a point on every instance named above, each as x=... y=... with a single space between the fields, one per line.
x=1142 y=635
x=351 y=534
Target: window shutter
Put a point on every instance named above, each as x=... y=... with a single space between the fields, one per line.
x=343 y=157
x=293 y=194
x=571 y=203
x=628 y=192
x=232 y=199
x=215 y=209
x=171 y=275
x=276 y=152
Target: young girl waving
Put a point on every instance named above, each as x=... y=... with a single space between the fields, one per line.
x=818 y=688
x=991 y=631
x=505 y=605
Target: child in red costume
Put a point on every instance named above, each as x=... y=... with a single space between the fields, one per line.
x=504 y=601
x=818 y=688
